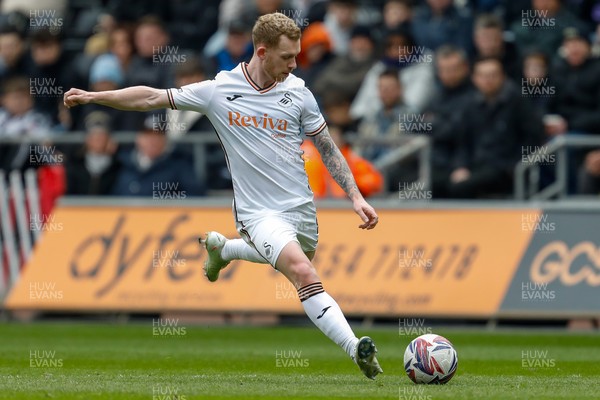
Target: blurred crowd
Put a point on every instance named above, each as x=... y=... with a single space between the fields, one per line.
x=490 y=82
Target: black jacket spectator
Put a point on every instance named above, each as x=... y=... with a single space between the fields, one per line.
x=81 y=180
x=15 y=60
x=500 y=126
x=536 y=83
x=578 y=95
x=488 y=37
x=192 y=23
x=133 y=10
x=495 y=132
x=445 y=23
x=494 y=137
x=155 y=55
x=446 y=114
x=168 y=177
x=541 y=26
x=92 y=169
x=50 y=72
x=345 y=74
x=154 y=168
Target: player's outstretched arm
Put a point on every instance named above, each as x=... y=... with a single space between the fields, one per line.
x=135 y=98
x=340 y=171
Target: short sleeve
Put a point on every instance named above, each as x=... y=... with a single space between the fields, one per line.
x=313 y=122
x=193 y=97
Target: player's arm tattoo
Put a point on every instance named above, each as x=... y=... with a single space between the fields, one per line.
x=336 y=163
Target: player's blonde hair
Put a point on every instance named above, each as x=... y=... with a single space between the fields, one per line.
x=269 y=27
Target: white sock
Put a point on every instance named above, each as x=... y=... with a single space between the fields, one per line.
x=325 y=313
x=237 y=249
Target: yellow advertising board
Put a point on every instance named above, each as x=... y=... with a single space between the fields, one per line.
x=416 y=262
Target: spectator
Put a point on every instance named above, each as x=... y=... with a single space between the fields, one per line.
x=340 y=20
x=120 y=43
x=345 y=73
x=588 y=11
x=93 y=168
x=114 y=39
x=368 y=179
x=134 y=10
x=336 y=109
x=255 y=8
x=246 y=12
x=192 y=23
x=388 y=123
x=486 y=6
x=397 y=15
x=541 y=27
x=250 y=10
x=589 y=181
x=13 y=55
x=445 y=113
x=153 y=169
x=536 y=83
x=238 y=48
x=150 y=67
x=498 y=124
x=50 y=72
x=18 y=119
x=415 y=71
x=440 y=22
x=384 y=123
x=488 y=36
x=315 y=54
x=577 y=79
x=513 y=11
x=575 y=109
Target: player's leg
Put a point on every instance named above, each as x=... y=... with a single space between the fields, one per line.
x=221 y=251
x=323 y=310
x=238 y=249
x=308 y=235
x=320 y=307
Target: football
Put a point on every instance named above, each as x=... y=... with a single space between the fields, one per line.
x=430 y=358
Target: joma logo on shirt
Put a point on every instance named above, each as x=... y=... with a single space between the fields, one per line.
x=264 y=121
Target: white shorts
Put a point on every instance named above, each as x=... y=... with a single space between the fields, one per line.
x=269 y=233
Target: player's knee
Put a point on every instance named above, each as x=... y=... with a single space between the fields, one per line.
x=304 y=273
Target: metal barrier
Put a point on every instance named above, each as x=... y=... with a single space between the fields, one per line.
x=559 y=146
x=409 y=146
x=198 y=140
x=526 y=176
x=405 y=146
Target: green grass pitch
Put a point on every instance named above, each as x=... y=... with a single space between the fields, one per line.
x=133 y=361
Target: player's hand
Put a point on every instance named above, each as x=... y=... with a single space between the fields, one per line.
x=366 y=213
x=76 y=96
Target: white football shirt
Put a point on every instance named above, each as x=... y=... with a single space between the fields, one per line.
x=260 y=130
